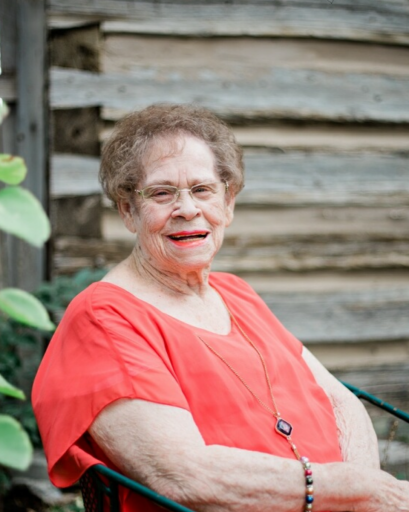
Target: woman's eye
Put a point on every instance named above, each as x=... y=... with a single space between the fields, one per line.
x=160 y=195
x=202 y=190
x=161 y=192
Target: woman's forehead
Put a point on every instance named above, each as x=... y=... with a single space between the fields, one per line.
x=178 y=153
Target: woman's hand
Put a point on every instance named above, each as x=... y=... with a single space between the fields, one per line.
x=359 y=489
x=391 y=495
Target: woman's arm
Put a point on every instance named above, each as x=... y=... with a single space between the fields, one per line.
x=161 y=447
x=356 y=435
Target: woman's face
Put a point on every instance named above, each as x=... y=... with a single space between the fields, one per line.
x=186 y=235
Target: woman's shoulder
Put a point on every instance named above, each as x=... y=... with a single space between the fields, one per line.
x=99 y=296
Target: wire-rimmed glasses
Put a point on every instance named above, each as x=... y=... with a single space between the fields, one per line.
x=168 y=194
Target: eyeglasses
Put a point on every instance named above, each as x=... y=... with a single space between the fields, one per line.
x=166 y=194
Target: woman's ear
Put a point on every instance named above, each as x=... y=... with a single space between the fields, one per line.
x=127 y=212
x=229 y=208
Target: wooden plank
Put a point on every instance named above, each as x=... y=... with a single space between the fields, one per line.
x=320 y=138
x=73 y=175
x=280 y=93
x=283 y=179
x=385 y=21
x=8 y=90
x=344 y=317
x=31 y=127
x=245 y=57
x=327 y=281
x=360 y=354
x=300 y=256
x=8 y=36
x=300 y=178
x=310 y=137
x=272 y=240
x=65 y=22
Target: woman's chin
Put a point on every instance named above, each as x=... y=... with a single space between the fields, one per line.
x=193 y=255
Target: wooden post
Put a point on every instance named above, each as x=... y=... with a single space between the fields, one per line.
x=25 y=266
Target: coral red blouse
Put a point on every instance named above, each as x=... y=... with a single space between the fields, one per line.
x=111 y=345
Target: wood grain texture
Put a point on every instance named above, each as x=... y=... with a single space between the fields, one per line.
x=282 y=179
x=385 y=21
x=343 y=317
x=326 y=137
x=244 y=57
x=73 y=175
x=361 y=354
x=299 y=178
x=280 y=93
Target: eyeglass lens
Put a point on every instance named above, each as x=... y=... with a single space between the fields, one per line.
x=166 y=194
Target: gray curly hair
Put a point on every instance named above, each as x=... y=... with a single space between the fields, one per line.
x=123 y=154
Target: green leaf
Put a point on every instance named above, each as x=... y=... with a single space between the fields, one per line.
x=3 y=110
x=15 y=447
x=25 y=308
x=13 y=169
x=22 y=215
x=8 y=389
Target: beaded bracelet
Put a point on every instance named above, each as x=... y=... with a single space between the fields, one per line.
x=309 y=489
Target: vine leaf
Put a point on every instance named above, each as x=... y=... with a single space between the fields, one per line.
x=21 y=214
x=25 y=308
x=13 y=169
x=8 y=389
x=15 y=447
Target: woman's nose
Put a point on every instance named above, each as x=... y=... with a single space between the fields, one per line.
x=185 y=205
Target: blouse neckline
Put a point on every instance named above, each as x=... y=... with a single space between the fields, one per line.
x=167 y=315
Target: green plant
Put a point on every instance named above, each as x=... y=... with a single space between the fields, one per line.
x=20 y=345
x=22 y=215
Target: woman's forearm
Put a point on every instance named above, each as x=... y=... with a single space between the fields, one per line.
x=229 y=479
x=161 y=447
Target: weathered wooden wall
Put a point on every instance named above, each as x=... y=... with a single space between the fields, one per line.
x=318 y=95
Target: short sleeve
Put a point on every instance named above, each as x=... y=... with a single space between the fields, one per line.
x=97 y=356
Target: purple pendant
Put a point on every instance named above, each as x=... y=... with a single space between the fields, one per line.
x=284 y=428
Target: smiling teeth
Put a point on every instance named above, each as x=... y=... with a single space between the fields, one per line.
x=188 y=237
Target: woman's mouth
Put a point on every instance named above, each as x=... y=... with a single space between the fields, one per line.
x=187 y=237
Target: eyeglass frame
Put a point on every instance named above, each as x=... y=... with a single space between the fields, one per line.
x=179 y=190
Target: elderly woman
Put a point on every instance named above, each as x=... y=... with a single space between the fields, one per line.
x=183 y=379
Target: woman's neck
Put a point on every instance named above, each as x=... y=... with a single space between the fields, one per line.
x=173 y=281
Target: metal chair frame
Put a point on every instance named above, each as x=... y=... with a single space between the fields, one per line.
x=100 y=483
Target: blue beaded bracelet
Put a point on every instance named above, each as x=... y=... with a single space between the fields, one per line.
x=309 y=488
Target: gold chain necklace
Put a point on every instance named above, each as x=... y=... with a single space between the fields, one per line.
x=282 y=426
